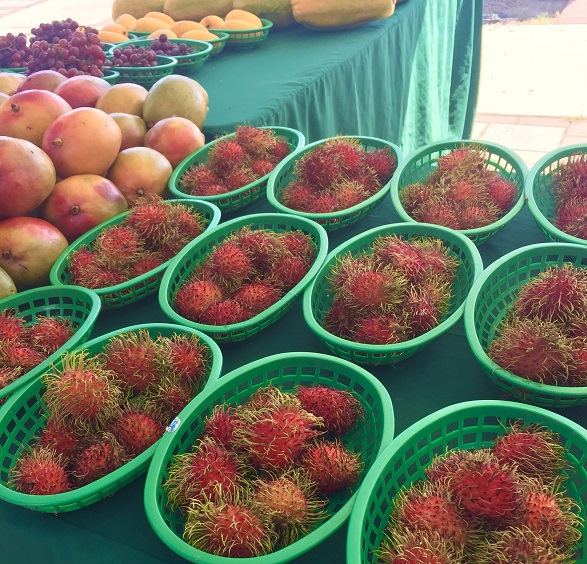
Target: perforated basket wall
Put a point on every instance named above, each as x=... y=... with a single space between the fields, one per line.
x=467 y=425
x=136 y=288
x=78 y=305
x=196 y=252
x=318 y=297
x=24 y=416
x=419 y=165
x=246 y=38
x=284 y=371
x=540 y=192
x=492 y=294
x=146 y=76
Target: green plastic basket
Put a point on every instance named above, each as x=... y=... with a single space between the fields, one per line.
x=23 y=417
x=107 y=46
x=418 y=166
x=246 y=38
x=146 y=76
x=79 y=305
x=136 y=288
x=242 y=197
x=492 y=294
x=195 y=253
x=187 y=63
x=110 y=76
x=317 y=297
x=541 y=196
x=218 y=44
x=283 y=174
x=15 y=69
x=467 y=425
x=284 y=371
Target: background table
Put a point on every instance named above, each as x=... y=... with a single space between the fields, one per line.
x=412 y=78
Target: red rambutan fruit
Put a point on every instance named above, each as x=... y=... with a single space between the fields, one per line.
x=256 y=297
x=226 y=155
x=503 y=193
x=464 y=191
x=119 y=246
x=297 y=196
x=221 y=424
x=255 y=141
x=136 y=428
x=79 y=261
x=11 y=326
x=349 y=193
x=40 y=471
x=195 y=296
x=145 y=264
x=102 y=455
x=230 y=263
x=570 y=178
x=340 y=410
x=287 y=271
x=383 y=162
x=212 y=190
x=60 y=436
x=263 y=246
x=50 y=333
x=168 y=397
x=300 y=244
x=325 y=202
x=280 y=149
x=414 y=196
x=422 y=314
x=476 y=216
x=189 y=356
x=578 y=365
x=331 y=466
x=98 y=276
x=238 y=178
x=468 y=159
x=225 y=312
x=318 y=169
x=339 y=319
x=379 y=330
x=440 y=260
x=151 y=218
x=401 y=254
x=8 y=375
x=197 y=178
x=261 y=167
x=438 y=211
x=442 y=466
x=347 y=152
x=14 y=355
x=571 y=217
x=373 y=289
x=188 y=223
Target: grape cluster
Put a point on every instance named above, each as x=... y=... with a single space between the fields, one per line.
x=163 y=46
x=82 y=53
x=14 y=51
x=56 y=30
x=133 y=56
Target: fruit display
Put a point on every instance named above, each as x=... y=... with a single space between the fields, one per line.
x=134 y=56
x=465 y=191
x=107 y=403
x=503 y=503
x=543 y=335
x=14 y=51
x=235 y=161
x=246 y=273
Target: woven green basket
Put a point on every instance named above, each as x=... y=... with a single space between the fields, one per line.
x=283 y=174
x=146 y=76
x=195 y=253
x=15 y=69
x=317 y=297
x=134 y=289
x=490 y=297
x=107 y=46
x=246 y=38
x=541 y=196
x=467 y=425
x=79 y=305
x=110 y=76
x=418 y=166
x=187 y=63
x=218 y=44
x=242 y=197
x=284 y=371
x=23 y=417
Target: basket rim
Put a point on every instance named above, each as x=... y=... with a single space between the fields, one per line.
x=560 y=392
x=533 y=174
x=86 y=325
x=227 y=382
x=89 y=236
x=317 y=230
x=83 y=492
x=207 y=46
x=267 y=24
x=380 y=194
x=515 y=159
x=192 y=158
x=442 y=232
x=165 y=63
x=403 y=439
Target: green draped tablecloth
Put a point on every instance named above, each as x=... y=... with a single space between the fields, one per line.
x=411 y=78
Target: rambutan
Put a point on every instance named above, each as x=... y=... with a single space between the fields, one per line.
x=269 y=396
x=40 y=471
x=280 y=149
x=467 y=159
x=233 y=530
x=221 y=424
x=325 y=202
x=209 y=472
x=571 y=217
x=188 y=223
x=374 y=289
x=145 y=264
x=347 y=153
x=82 y=390
x=226 y=155
x=556 y=294
x=118 y=245
x=98 y=276
x=102 y=455
x=194 y=297
x=189 y=356
x=287 y=271
x=212 y=190
x=422 y=314
x=168 y=396
x=136 y=428
x=570 y=178
x=464 y=191
x=9 y=375
x=339 y=319
x=15 y=355
x=438 y=212
x=383 y=162
x=61 y=437
x=440 y=260
x=237 y=178
x=476 y=216
x=263 y=246
x=290 y=502
x=318 y=169
x=578 y=366
x=255 y=141
x=349 y=193
x=79 y=261
x=230 y=263
x=532 y=349
x=256 y=297
x=345 y=267
x=197 y=178
x=300 y=244
x=503 y=193
x=298 y=196
x=137 y=359
x=414 y=196
x=261 y=167
x=11 y=326
x=331 y=466
x=442 y=466
x=151 y=219
x=380 y=330
x=225 y=312
x=401 y=254
x=50 y=333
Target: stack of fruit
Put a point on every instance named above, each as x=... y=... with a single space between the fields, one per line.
x=501 y=504
x=261 y=474
x=106 y=408
x=569 y=183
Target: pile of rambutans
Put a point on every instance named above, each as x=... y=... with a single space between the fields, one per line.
x=235 y=161
x=261 y=474
x=337 y=174
x=104 y=409
x=569 y=183
x=504 y=504
x=396 y=290
x=464 y=192
x=25 y=345
x=245 y=274
x=153 y=232
x=543 y=337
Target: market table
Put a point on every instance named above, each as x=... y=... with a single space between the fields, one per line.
x=116 y=530
x=412 y=78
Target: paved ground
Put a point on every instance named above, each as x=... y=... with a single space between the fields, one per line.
x=533 y=91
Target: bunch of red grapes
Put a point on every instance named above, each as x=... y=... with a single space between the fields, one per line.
x=14 y=51
x=163 y=46
x=133 y=56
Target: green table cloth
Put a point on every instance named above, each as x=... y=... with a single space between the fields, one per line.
x=411 y=78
